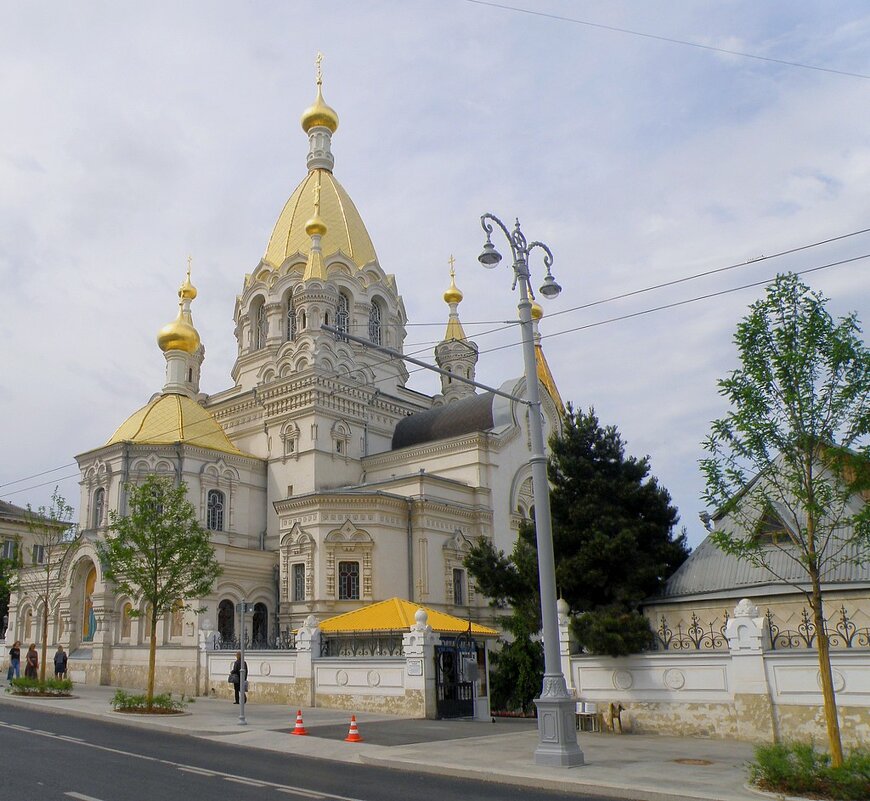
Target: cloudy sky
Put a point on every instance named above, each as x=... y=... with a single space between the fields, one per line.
x=134 y=134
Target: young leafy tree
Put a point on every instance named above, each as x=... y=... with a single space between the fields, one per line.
x=53 y=539
x=613 y=541
x=794 y=447
x=158 y=553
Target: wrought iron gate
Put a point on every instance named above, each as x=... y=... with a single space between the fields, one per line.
x=454 y=684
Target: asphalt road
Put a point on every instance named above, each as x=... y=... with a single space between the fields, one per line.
x=53 y=757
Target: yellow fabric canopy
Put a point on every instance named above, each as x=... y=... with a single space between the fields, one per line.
x=396 y=614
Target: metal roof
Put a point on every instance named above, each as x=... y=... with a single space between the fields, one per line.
x=709 y=570
x=397 y=614
x=474 y=413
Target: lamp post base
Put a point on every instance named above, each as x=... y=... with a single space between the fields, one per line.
x=557 y=733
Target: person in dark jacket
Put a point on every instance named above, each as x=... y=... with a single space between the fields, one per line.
x=60 y=658
x=32 y=662
x=14 y=661
x=238 y=678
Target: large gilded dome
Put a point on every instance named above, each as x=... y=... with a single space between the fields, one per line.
x=345 y=230
x=168 y=419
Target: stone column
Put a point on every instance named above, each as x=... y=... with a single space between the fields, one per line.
x=418 y=645
x=565 y=643
x=748 y=636
x=307 y=652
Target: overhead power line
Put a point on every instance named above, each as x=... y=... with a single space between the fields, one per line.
x=343 y=376
x=667 y=39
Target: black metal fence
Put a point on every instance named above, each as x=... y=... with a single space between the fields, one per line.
x=841 y=629
x=368 y=643
x=285 y=641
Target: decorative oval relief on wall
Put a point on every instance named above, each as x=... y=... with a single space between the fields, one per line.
x=838 y=679
x=265 y=668
x=374 y=678
x=622 y=679
x=674 y=679
x=341 y=677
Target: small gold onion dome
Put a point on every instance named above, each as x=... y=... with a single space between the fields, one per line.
x=537 y=310
x=178 y=335
x=319 y=114
x=187 y=291
x=453 y=293
x=315 y=226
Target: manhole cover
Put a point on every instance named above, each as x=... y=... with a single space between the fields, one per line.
x=687 y=761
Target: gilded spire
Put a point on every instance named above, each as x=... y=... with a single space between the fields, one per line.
x=545 y=375
x=319 y=114
x=180 y=333
x=315 y=228
x=187 y=290
x=453 y=297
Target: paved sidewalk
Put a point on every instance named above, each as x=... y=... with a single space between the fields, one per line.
x=628 y=766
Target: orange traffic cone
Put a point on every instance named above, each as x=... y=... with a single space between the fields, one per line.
x=300 y=726
x=353 y=733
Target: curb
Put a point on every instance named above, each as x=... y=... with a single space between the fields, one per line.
x=621 y=791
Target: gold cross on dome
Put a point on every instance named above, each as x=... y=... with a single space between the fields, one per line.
x=189 y=260
x=319 y=73
x=451 y=261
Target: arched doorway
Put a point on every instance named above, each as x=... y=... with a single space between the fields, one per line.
x=89 y=620
x=260 y=626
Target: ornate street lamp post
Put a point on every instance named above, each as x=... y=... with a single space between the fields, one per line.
x=557 y=737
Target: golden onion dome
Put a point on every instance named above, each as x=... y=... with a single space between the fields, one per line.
x=178 y=335
x=453 y=293
x=537 y=310
x=315 y=226
x=187 y=291
x=319 y=114
x=172 y=418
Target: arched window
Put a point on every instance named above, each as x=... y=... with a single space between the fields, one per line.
x=260 y=626
x=226 y=620
x=99 y=506
x=291 y=319
x=262 y=328
x=215 y=511
x=348 y=581
x=126 y=621
x=375 y=324
x=176 y=619
x=342 y=313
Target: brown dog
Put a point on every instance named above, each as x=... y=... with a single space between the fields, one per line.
x=616 y=711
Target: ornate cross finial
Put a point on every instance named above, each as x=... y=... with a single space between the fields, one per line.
x=319 y=73
x=317 y=196
x=451 y=261
x=189 y=261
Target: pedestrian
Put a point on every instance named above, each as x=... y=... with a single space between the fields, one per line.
x=32 y=666
x=14 y=671
x=236 y=677
x=60 y=663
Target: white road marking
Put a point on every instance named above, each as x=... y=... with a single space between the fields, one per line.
x=284 y=788
x=252 y=782
x=198 y=771
x=303 y=793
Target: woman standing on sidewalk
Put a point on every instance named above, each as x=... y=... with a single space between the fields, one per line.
x=236 y=677
x=14 y=671
x=32 y=662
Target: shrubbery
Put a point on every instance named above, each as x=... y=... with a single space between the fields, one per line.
x=26 y=686
x=799 y=769
x=122 y=701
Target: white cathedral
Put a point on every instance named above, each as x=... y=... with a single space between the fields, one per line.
x=324 y=481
